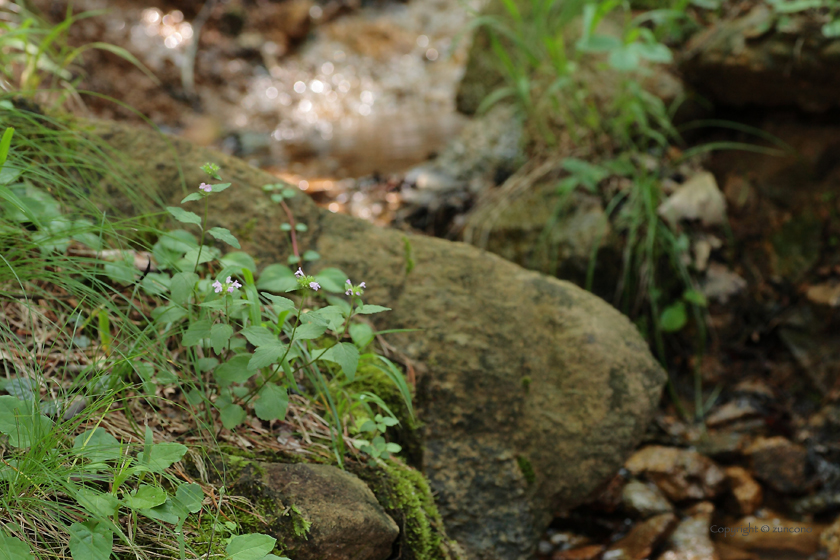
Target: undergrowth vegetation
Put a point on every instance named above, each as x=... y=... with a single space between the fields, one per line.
x=577 y=70
x=120 y=336
x=37 y=61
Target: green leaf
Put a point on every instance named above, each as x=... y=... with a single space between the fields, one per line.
x=706 y=4
x=90 y=542
x=302 y=228
x=280 y=303
x=673 y=318
x=387 y=420
x=182 y=286
x=121 y=272
x=156 y=284
x=272 y=403
x=166 y=512
x=599 y=43
x=188 y=498
x=21 y=422
x=309 y=331
x=183 y=216
x=198 y=331
x=259 y=336
x=362 y=334
x=266 y=355
x=5 y=144
x=220 y=187
x=9 y=174
x=220 y=333
x=12 y=548
x=831 y=29
x=224 y=235
x=97 y=503
x=293 y=259
x=284 y=226
x=239 y=259
x=371 y=309
x=178 y=240
x=97 y=445
x=331 y=316
x=170 y=313
x=277 y=278
x=231 y=416
x=162 y=456
x=253 y=546
x=332 y=280
x=192 y=256
x=234 y=370
x=790 y=7
x=695 y=297
x=193 y=196
x=625 y=59
x=194 y=397
x=654 y=52
x=311 y=255
x=393 y=448
x=206 y=364
x=145 y=497
x=346 y=355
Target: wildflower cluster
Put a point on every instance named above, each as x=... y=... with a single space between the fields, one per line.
x=306 y=281
x=354 y=290
x=205 y=187
x=228 y=286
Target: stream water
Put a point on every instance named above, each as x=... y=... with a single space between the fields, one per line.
x=368 y=92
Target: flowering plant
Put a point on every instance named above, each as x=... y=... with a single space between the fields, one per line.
x=251 y=345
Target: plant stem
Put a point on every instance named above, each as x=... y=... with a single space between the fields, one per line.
x=203 y=233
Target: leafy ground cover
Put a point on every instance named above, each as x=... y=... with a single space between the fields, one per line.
x=132 y=353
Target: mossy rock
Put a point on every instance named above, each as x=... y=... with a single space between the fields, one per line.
x=316 y=512
x=405 y=494
x=541 y=230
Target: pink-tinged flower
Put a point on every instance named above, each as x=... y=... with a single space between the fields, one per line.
x=349 y=282
x=299 y=273
x=230 y=289
x=315 y=286
x=217 y=286
x=205 y=187
x=236 y=284
x=362 y=285
x=348 y=292
x=227 y=280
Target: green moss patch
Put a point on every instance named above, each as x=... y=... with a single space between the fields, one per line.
x=405 y=495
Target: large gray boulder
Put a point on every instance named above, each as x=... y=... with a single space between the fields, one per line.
x=533 y=392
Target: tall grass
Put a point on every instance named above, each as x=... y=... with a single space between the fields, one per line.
x=574 y=68
x=36 y=58
x=71 y=337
